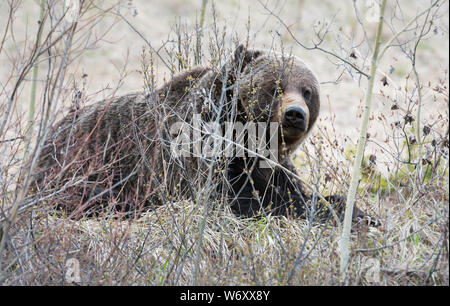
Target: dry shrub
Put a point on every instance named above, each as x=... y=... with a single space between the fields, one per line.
x=405 y=185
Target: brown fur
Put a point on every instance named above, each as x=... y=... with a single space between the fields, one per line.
x=116 y=151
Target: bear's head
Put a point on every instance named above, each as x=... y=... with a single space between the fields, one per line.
x=279 y=88
x=265 y=86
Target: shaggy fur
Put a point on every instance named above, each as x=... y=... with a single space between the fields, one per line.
x=118 y=151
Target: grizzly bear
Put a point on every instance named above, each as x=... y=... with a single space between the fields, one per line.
x=128 y=153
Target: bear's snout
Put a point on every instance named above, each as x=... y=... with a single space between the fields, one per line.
x=295 y=117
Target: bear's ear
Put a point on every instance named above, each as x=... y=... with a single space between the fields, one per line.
x=243 y=56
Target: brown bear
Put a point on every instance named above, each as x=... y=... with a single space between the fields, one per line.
x=128 y=152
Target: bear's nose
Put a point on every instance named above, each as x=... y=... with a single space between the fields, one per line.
x=294 y=116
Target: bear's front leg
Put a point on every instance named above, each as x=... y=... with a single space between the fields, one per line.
x=313 y=207
x=255 y=190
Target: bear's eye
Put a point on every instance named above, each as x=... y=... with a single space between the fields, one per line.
x=306 y=93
